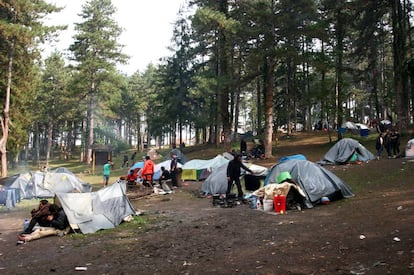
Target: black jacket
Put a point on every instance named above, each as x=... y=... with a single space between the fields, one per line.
x=233 y=169
x=60 y=220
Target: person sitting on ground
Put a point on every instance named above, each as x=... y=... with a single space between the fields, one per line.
x=58 y=225
x=39 y=216
x=132 y=176
x=165 y=176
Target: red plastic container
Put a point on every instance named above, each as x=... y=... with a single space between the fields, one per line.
x=279 y=203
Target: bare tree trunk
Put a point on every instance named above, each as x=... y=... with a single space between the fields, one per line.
x=91 y=122
x=5 y=119
x=399 y=50
x=268 y=134
x=49 y=140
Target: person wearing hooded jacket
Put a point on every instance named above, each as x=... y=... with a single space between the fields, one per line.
x=147 y=172
x=58 y=225
x=233 y=174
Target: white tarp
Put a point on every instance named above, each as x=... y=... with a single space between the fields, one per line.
x=36 y=184
x=210 y=164
x=103 y=209
x=409 y=149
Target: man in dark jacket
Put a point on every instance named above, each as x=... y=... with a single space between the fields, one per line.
x=58 y=225
x=39 y=216
x=233 y=174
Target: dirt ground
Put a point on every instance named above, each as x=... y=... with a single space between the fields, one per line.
x=371 y=233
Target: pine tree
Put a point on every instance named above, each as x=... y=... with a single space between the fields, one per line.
x=96 y=51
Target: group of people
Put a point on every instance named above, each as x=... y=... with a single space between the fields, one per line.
x=258 y=152
x=146 y=174
x=390 y=141
x=48 y=219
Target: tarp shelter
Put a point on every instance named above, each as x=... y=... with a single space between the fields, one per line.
x=313 y=179
x=166 y=164
x=103 y=209
x=354 y=128
x=343 y=151
x=286 y=158
x=199 y=169
x=216 y=182
x=409 y=149
x=36 y=184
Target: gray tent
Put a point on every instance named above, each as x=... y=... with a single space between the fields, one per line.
x=313 y=179
x=216 y=182
x=343 y=151
x=90 y=212
x=36 y=184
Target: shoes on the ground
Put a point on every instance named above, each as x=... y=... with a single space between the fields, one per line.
x=21 y=238
x=20 y=242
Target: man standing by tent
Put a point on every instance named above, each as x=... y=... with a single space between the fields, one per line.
x=106 y=172
x=173 y=170
x=147 y=172
x=233 y=174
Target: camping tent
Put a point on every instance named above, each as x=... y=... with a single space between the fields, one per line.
x=36 y=184
x=343 y=151
x=180 y=156
x=166 y=164
x=313 y=179
x=199 y=169
x=90 y=212
x=409 y=149
x=354 y=128
x=286 y=158
x=216 y=182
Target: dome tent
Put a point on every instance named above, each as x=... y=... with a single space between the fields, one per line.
x=344 y=150
x=313 y=179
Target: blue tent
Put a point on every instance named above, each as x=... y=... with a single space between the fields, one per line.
x=139 y=164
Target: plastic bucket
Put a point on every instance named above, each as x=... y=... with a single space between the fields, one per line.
x=280 y=204
x=267 y=205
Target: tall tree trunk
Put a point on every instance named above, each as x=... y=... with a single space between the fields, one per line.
x=49 y=140
x=399 y=49
x=5 y=119
x=91 y=122
x=268 y=134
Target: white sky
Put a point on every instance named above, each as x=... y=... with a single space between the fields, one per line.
x=147 y=25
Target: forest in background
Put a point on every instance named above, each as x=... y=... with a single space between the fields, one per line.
x=247 y=65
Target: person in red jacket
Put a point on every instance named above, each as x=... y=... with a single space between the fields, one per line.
x=147 y=172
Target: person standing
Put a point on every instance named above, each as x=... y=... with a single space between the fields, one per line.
x=173 y=170
x=125 y=162
x=387 y=142
x=133 y=158
x=147 y=173
x=233 y=174
x=107 y=172
x=395 y=143
x=379 y=144
x=243 y=147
